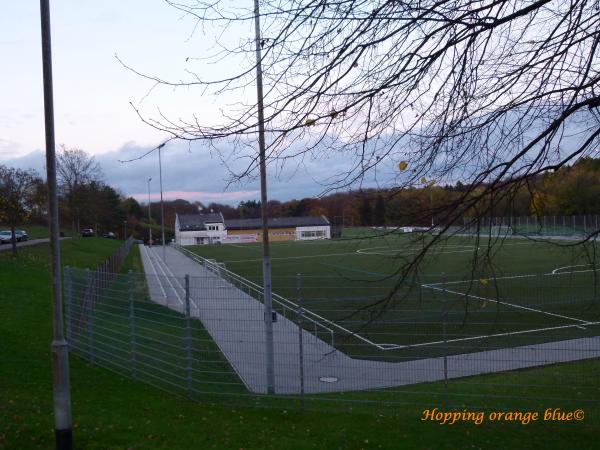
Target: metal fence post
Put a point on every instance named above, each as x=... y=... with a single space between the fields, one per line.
x=300 y=341
x=445 y=337
x=91 y=279
x=131 y=287
x=188 y=337
x=544 y=227
x=68 y=302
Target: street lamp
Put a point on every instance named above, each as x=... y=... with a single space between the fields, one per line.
x=162 y=209
x=63 y=427
x=149 y=215
x=267 y=288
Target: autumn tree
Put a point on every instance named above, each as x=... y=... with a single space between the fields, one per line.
x=379 y=212
x=18 y=189
x=75 y=170
x=571 y=190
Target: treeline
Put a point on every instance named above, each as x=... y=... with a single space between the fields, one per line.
x=86 y=201
x=571 y=190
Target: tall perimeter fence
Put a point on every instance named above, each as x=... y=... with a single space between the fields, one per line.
x=575 y=227
x=565 y=226
x=202 y=336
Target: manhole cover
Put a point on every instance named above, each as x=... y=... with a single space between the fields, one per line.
x=328 y=379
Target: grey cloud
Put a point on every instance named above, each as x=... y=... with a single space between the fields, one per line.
x=190 y=168
x=34 y=160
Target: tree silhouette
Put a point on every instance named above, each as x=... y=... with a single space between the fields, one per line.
x=18 y=189
x=75 y=170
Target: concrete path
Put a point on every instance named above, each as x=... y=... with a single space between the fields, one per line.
x=234 y=319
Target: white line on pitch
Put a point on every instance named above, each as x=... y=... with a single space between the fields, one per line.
x=485 y=336
x=557 y=270
x=506 y=303
x=508 y=277
x=511 y=277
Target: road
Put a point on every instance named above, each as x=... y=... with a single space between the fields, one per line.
x=29 y=243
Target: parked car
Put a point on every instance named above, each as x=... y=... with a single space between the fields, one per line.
x=21 y=235
x=109 y=235
x=5 y=237
x=87 y=232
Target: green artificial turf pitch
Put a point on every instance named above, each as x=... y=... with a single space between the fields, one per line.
x=466 y=295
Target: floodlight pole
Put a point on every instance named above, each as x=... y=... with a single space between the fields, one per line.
x=63 y=428
x=268 y=299
x=149 y=215
x=162 y=208
x=431 y=204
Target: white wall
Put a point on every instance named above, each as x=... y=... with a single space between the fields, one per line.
x=326 y=229
x=239 y=238
x=190 y=237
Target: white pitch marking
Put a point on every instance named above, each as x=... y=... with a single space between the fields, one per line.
x=557 y=270
x=506 y=303
x=484 y=336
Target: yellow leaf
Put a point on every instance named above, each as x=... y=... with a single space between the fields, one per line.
x=403 y=165
x=484 y=281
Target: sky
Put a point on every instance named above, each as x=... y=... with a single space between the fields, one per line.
x=93 y=91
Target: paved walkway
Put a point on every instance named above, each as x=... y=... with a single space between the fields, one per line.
x=234 y=319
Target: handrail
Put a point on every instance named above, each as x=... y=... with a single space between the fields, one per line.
x=316 y=318
x=220 y=270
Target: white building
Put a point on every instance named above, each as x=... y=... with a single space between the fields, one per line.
x=197 y=229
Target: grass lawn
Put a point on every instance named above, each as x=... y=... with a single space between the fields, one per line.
x=110 y=411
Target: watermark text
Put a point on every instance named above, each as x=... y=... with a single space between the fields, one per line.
x=523 y=417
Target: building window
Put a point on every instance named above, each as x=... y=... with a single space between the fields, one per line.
x=313 y=234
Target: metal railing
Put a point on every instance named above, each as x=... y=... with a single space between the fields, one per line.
x=288 y=308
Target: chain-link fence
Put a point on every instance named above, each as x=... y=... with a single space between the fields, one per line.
x=577 y=227
x=451 y=343
x=567 y=226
